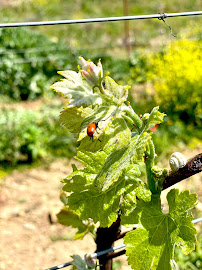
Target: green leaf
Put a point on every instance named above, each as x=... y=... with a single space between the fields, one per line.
x=72 y=118
x=79 y=263
x=90 y=202
x=118 y=91
x=109 y=134
x=151 y=245
x=111 y=126
x=179 y=205
x=68 y=217
x=155 y=117
x=120 y=159
x=102 y=115
x=76 y=89
x=102 y=206
x=138 y=190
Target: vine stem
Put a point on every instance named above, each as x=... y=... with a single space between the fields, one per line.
x=105 y=239
x=133 y=115
x=150 y=155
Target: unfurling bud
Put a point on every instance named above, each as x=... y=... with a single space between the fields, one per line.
x=91 y=263
x=145 y=117
x=91 y=72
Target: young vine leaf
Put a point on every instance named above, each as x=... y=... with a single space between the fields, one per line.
x=120 y=159
x=151 y=245
x=72 y=118
x=88 y=201
x=79 y=263
x=85 y=263
x=155 y=117
x=68 y=218
x=78 y=91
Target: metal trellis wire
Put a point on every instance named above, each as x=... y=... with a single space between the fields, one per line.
x=100 y=253
x=106 y=19
x=93 y=256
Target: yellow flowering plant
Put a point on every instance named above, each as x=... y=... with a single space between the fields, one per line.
x=177 y=79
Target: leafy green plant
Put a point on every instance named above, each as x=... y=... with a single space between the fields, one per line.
x=28 y=135
x=28 y=63
x=113 y=141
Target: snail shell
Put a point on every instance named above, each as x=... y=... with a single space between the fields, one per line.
x=177 y=161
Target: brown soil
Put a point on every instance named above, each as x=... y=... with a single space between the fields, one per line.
x=27 y=239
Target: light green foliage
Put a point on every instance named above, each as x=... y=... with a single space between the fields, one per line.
x=118 y=91
x=120 y=159
x=159 y=174
x=193 y=261
x=113 y=172
x=89 y=202
x=151 y=245
x=68 y=217
x=79 y=263
x=155 y=117
x=72 y=118
x=109 y=182
x=104 y=103
x=78 y=91
x=116 y=132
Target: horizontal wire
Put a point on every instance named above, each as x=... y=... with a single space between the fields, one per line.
x=197 y=220
x=100 y=253
x=92 y=256
x=106 y=19
x=60 y=266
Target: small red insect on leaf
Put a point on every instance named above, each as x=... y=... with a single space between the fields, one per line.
x=91 y=129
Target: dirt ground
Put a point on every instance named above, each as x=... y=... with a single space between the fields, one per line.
x=27 y=239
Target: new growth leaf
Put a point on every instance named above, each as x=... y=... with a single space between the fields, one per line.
x=151 y=245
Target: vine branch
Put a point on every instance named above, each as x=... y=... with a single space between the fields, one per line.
x=193 y=166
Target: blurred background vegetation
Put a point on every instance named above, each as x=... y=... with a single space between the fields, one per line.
x=162 y=70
